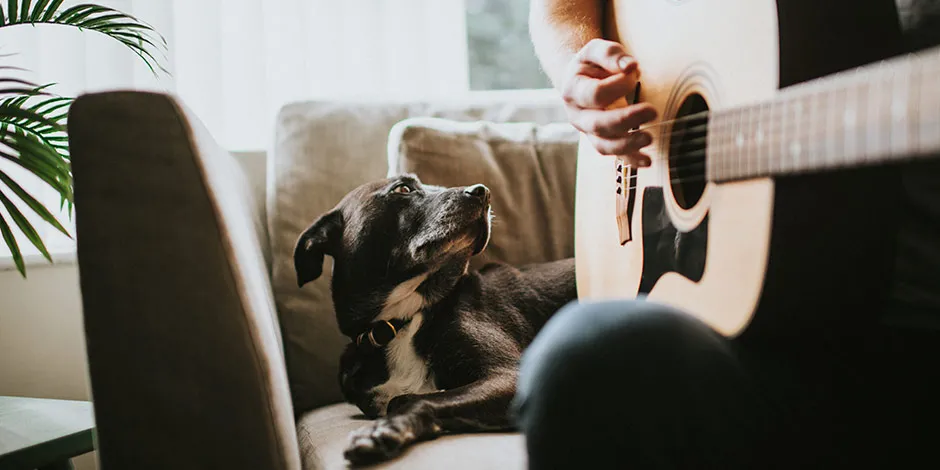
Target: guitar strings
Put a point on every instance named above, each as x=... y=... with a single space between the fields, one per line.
x=808 y=110
x=699 y=150
x=805 y=110
x=776 y=131
x=825 y=90
x=816 y=130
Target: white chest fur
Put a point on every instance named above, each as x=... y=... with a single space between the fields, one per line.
x=408 y=373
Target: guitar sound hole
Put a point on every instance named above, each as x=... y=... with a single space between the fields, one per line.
x=687 y=152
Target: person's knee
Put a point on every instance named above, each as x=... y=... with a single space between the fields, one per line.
x=592 y=363
x=598 y=348
x=590 y=335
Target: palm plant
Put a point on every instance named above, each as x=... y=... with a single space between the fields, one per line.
x=33 y=131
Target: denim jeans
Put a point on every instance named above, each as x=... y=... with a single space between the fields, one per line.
x=635 y=384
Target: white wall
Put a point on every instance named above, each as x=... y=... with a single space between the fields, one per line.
x=42 y=344
x=42 y=348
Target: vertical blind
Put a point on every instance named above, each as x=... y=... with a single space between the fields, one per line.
x=235 y=63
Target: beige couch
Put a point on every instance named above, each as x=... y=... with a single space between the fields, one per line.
x=203 y=352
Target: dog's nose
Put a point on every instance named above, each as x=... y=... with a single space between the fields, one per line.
x=478 y=191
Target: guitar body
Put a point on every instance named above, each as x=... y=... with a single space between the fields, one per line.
x=784 y=257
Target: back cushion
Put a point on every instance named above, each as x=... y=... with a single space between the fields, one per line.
x=529 y=168
x=321 y=151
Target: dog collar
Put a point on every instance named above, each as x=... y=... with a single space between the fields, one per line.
x=380 y=333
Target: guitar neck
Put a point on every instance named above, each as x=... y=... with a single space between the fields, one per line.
x=887 y=112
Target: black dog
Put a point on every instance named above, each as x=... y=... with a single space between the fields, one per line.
x=435 y=347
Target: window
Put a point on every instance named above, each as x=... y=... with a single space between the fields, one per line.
x=500 y=52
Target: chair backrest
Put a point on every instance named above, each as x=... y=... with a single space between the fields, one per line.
x=184 y=357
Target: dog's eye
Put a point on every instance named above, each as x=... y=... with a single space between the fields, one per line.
x=402 y=189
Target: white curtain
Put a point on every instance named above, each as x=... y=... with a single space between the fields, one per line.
x=236 y=62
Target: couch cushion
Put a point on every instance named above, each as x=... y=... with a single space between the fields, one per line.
x=321 y=151
x=323 y=434
x=529 y=167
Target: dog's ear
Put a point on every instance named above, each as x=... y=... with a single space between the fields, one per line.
x=323 y=237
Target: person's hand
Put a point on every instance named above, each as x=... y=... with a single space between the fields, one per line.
x=596 y=84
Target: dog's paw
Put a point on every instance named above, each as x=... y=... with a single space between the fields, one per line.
x=382 y=440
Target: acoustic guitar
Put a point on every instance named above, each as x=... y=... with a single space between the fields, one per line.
x=770 y=205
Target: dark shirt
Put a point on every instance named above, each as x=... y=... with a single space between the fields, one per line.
x=915 y=300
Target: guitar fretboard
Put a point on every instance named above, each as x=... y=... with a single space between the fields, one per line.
x=880 y=113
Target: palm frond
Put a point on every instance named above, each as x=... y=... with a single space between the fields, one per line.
x=36 y=156
x=24 y=225
x=137 y=35
x=33 y=204
x=32 y=135
x=14 y=247
x=33 y=127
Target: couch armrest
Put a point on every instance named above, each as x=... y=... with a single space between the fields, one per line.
x=184 y=351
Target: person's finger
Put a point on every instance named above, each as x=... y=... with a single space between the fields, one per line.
x=629 y=145
x=612 y=123
x=609 y=55
x=587 y=92
x=639 y=159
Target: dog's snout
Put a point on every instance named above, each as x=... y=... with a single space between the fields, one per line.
x=478 y=191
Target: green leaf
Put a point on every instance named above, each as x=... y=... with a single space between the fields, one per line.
x=12 y=113
x=50 y=12
x=17 y=81
x=15 y=91
x=103 y=21
x=12 y=11
x=33 y=204
x=50 y=175
x=14 y=247
x=41 y=174
x=24 y=11
x=38 y=10
x=137 y=35
x=76 y=14
x=45 y=119
x=23 y=223
x=32 y=147
x=32 y=136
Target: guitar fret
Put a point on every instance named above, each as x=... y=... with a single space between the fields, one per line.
x=901 y=109
x=927 y=131
x=746 y=135
x=831 y=130
x=849 y=119
x=812 y=125
x=767 y=120
x=749 y=150
x=871 y=137
x=796 y=143
x=763 y=163
x=886 y=100
x=913 y=108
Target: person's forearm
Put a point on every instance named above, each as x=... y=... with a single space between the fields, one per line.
x=559 y=29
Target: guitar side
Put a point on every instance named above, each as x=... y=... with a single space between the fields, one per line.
x=753 y=235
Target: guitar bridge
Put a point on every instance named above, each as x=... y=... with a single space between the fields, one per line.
x=626 y=197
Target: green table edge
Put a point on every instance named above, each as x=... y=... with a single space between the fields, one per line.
x=41 y=455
